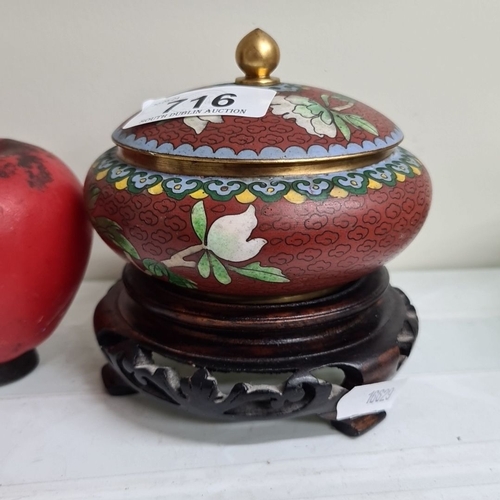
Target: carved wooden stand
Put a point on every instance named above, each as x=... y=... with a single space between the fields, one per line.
x=367 y=330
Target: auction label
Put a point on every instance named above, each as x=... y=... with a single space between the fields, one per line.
x=235 y=100
x=369 y=398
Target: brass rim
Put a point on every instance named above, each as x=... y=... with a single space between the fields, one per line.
x=277 y=299
x=248 y=168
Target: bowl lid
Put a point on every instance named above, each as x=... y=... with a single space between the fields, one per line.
x=256 y=120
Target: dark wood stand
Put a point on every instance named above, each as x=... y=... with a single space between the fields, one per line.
x=366 y=330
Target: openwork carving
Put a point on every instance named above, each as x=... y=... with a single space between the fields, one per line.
x=301 y=394
x=366 y=331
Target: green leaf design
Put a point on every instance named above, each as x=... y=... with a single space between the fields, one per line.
x=313 y=109
x=155 y=268
x=160 y=269
x=219 y=270
x=326 y=117
x=298 y=99
x=316 y=108
x=342 y=126
x=325 y=99
x=199 y=220
x=303 y=111
x=258 y=272
x=105 y=223
x=204 y=266
x=124 y=244
x=359 y=122
x=113 y=231
x=177 y=279
x=93 y=195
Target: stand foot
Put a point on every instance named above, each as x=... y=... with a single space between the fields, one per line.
x=357 y=426
x=18 y=368
x=114 y=384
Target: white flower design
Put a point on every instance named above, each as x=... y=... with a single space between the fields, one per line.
x=317 y=121
x=321 y=118
x=228 y=237
x=198 y=123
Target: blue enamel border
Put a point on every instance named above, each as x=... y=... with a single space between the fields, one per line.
x=268 y=153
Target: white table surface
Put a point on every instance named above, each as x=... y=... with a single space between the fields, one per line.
x=62 y=437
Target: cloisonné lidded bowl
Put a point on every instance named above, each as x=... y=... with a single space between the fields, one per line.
x=258 y=189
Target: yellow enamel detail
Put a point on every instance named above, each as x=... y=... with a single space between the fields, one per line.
x=199 y=195
x=121 y=184
x=416 y=170
x=294 y=197
x=374 y=184
x=102 y=174
x=400 y=177
x=156 y=189
x=246 y=197
x=337 y=192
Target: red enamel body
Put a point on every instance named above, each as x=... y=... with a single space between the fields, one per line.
x=45 y=242
x=314 y=194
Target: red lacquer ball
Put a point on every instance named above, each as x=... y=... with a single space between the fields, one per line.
x=44 y=245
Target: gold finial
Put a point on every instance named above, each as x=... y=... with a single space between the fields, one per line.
x=257 y=56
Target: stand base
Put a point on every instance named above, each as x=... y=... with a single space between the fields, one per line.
x=19 y=367
x=366 y=330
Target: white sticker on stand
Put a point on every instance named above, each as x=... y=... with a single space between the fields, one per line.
x=369 y=398
x=234 y=100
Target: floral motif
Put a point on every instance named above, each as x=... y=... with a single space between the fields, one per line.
x=316 y=187
x=300 y=123
x=120 y=172
x=269 y=190
x=140 y=181
x=399 y=166
x=382 y=174
x=112 y=232
x=321 y=118
x=199 y=123
x=179 y=187
x=228 y=239
x=104 y=162
x=226 y=189
x=352 y=181
x=396 y=168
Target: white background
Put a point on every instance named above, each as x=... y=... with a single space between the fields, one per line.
x=71 y=71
